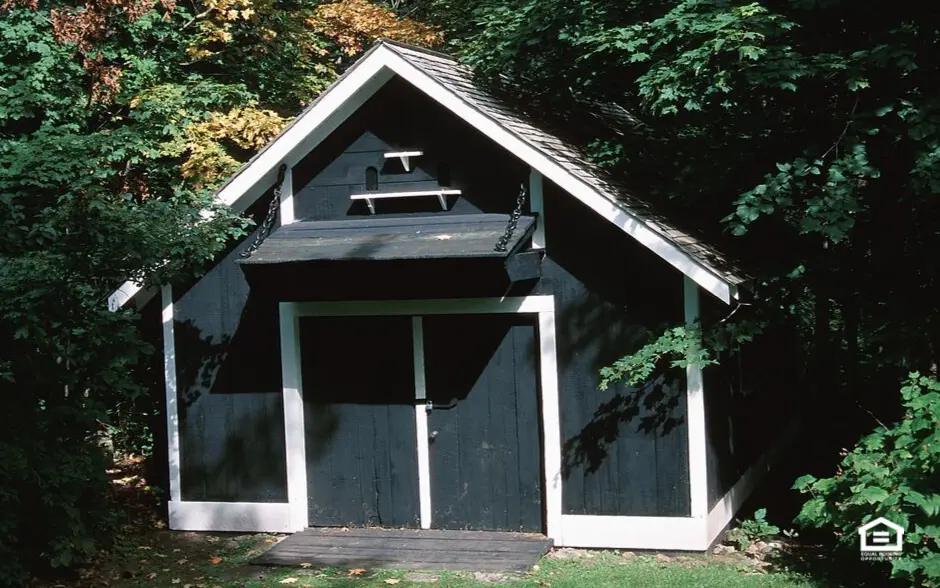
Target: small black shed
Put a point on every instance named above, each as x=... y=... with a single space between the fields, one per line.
x=417 y=341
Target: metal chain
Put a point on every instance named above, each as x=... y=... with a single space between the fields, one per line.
x=269 y=218
x=513 y=220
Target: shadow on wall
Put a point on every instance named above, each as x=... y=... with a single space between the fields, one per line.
x=657 y=402
x=612 y=297
x=231 y=417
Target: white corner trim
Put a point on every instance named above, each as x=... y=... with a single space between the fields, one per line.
x=695 y=415
x=613 y=532
x=421 y=422
x=523 y=304
x=723 y=512
x=294 y=441
x=551 y=426
x=169 y=379
x=537 y=205
x=257 y=517
x=287 y=198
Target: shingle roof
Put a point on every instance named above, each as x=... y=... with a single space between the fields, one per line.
x=459 y=79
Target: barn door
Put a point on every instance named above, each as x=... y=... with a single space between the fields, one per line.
x=483 y=425
x=359 y=421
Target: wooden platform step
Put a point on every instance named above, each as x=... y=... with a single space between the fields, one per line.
x=409 y=549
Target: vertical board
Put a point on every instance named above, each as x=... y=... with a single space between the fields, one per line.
x=485 y=456
x=624 y=450
x=229 y=398
x=358 y=378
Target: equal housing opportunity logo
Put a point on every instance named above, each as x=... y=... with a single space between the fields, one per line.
x=881 y=539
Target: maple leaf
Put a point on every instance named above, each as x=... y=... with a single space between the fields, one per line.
x=215 y=559
x=356 y=572
x=347 y=22
x=306 y=565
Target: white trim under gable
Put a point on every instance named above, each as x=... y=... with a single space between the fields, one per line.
x=287 y=198
x=537 y=206
x=362 y=81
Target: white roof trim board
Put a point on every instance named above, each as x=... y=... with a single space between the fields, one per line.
x=450 y=84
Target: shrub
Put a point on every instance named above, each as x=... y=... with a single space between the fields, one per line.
x=752 y=530
x=892 y=472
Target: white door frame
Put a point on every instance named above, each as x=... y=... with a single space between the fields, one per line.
x=541 y=305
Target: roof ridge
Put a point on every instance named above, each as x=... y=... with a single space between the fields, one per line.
x=393 y=43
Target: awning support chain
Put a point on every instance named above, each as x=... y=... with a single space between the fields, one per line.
x=269 y=218
x=513 y=220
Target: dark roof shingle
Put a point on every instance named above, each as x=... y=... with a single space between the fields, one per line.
x=459 y=79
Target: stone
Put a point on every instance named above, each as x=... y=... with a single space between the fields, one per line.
x=418 y=577
x=663 y=558
x=490 y=577
x=723 y=549
x=566 y=553
x=627 y=555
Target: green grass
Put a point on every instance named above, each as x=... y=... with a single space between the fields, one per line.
x=188 y=560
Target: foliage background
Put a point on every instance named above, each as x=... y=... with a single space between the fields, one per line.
x=804 y=133
x=117 y=119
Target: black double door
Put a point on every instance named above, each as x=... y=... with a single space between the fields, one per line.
x=482 y=412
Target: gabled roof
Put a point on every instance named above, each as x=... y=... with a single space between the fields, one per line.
x=452 y=84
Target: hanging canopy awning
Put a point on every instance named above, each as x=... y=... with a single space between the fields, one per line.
x=387 y=239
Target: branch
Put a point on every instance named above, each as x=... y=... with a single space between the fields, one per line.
x=872 y=415
x=844 y=131
x=736 y=309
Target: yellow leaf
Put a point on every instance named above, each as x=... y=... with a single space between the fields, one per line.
x=356 y=572
x=392 y=581
x=289 y=581
x=306 y=565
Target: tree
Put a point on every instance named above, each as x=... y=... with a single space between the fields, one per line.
x=117 y=120
x=803 y=131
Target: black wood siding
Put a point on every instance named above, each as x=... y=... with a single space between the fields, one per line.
x=625 y=451
x=359 y=421
x=749 y=399
x=401 y=118
x=485 y=458
x=231 y=415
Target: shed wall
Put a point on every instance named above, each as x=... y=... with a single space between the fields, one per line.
x=229 y=388
x=625 y=450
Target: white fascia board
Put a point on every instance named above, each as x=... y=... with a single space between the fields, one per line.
x=649 y=238
x=367 y=77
